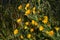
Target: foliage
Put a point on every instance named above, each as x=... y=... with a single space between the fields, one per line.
x=28 y=20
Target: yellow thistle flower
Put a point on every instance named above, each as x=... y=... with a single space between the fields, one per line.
x=32 y=29
x=27 y=23
x=15 y=31
x=51 y=33
x=33 y=22
x=27 y=5
x=20 y=7
x=41 y=28
x=57 y=28
x=47 y=32
x=36 y=23
x=45 y=20
x=34 y=12
x=21 y=36
x=25 y=27
x=34 y=8
x=19 y=20
x=29 y=35
x=27 y=12
x=45 y=17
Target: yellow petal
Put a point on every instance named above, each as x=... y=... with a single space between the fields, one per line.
x=20 y=7
x=19 y=20
x=32 y=29
x=28 y=12
x=57 y=28
x=33 y=22
x=21 y=36
x=28 y=35
x=27 y=5
x=27 y=23
x=51 y=33
x=16 y=31
x=41 y=28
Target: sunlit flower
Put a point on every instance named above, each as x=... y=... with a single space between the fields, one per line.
x=45 y=20
x=41 y=28
x=21 y=36
x=27 y=5
x=20 y=7
x=29 y=35
x=36 y=24
x=33 y=22
x=19 y=20
x=57 y=28
x=27 y=12
x=47 y=32
x=34 y=10
x=32 y=29
x=46 y=17
x=15 y=31
x=25 y=27
x=51 y=33
x=27 y=23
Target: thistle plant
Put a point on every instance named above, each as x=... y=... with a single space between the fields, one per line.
x=28 y=20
